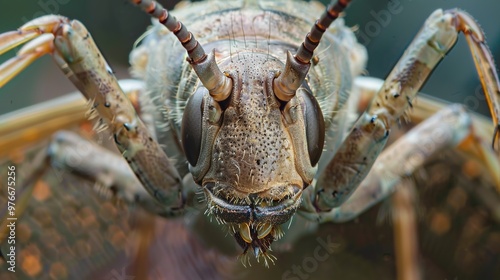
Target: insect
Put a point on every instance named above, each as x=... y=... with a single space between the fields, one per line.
x=253 y=211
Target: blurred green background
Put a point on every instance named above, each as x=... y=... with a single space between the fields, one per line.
x=115 y=25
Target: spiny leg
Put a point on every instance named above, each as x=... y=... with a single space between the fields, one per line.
x=79 y=58
x=425 y=107
x=450 y=127
x=72 y=196
x=391 y=171
x=22 y=129
x=69 y=152
x=357 y=154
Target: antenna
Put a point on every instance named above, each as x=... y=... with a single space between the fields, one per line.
x=217 y=83
x=297 y=65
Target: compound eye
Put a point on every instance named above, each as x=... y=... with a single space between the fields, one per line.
x=315 y=127
x=191 y=127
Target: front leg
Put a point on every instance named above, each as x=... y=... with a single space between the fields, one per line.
x=362 y=146
x=79 y=58
x=450 y=127
x=69 y=152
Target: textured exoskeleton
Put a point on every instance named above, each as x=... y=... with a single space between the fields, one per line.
x=240 y=106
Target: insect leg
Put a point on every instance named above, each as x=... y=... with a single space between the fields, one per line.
x=369 y=135
x=70 y=152
x=450 y=127
x=79 y=58
x=24 y=128
x=405 y=231
x=424 y=108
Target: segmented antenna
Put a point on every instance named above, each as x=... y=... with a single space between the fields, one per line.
x=217 y=83
x=297 y=65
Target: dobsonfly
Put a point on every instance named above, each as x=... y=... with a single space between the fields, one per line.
x=248 y=125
